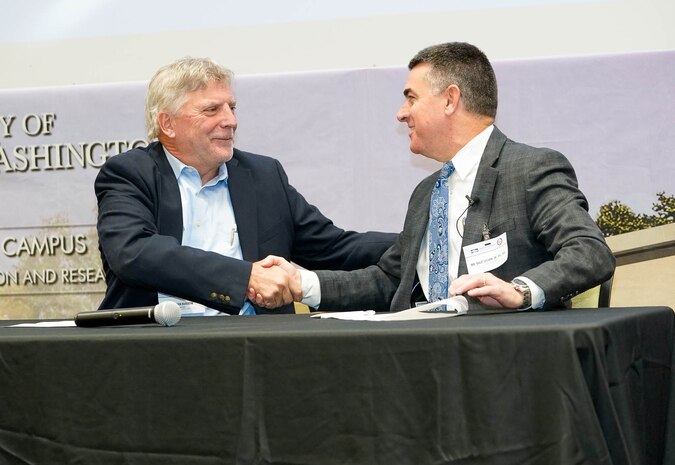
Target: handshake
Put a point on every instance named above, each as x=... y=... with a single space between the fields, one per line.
x=274 y=282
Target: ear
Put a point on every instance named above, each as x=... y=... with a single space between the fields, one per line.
x=452 y=96
x=165 y=122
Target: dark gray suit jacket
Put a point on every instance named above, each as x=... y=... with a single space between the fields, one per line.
x=140 y=226
x=529 y=193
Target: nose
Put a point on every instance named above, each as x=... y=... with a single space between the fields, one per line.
x=402 y=114
x=228 y=118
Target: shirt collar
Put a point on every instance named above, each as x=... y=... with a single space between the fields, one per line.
x=469 y=156
x=178 y=166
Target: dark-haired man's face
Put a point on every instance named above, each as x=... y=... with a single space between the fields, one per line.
x=424 y=113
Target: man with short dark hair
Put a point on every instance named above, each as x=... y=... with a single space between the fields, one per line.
x=502 y=222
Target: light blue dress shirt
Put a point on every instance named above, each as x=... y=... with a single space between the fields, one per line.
x=208 y=224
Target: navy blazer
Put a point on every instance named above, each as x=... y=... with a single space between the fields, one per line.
x=529 y=193
x=140 y=228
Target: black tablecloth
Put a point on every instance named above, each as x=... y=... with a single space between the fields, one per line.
x=567 y=387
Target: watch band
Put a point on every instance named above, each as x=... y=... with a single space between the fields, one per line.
x=522 y=287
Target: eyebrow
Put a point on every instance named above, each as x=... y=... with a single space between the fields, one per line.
x=211 y=102
x=408 y=92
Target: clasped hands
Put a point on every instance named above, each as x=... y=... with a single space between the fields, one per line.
x=274 y=282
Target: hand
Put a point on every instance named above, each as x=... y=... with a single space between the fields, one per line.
x=288 y=285
x=487 y=288
x=295 y=278
x=269 y=286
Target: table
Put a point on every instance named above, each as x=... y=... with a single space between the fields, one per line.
x=560 y=387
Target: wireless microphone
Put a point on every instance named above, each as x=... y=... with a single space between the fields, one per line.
x=472 y=201
x=166 y=314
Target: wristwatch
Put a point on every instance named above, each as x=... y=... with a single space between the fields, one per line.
x=522 y=287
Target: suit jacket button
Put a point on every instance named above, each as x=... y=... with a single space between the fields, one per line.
x=213 y=295
x=224 y=298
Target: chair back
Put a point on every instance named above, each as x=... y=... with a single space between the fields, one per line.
x=596 y=297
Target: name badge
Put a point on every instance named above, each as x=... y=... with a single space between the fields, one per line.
x=187 y=307
x=487 y=255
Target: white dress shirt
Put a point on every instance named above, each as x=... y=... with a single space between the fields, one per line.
x=460 y=185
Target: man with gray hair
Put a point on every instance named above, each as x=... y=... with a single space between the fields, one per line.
x=502 y=222
x=188 y=217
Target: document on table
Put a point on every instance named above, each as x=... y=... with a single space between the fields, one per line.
x=456 y=306
x=45 y=324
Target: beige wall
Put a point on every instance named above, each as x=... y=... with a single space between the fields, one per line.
x=557 y=29
x=645 y=284
x=645 y=275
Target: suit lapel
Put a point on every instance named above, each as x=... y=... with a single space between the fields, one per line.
x=416 y=223
x=419 y=215
x=170 y=213
x=243 y=194
x=483 y=189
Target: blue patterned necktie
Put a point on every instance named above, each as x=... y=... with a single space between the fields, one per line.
x=438 y=236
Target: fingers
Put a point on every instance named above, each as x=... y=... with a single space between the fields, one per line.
x=269 y=287
x=285 y=265
x=487 y=288
x=467 y=282
x=274 y=282
x=267 y=261
x=273 y=260
x=295 y=285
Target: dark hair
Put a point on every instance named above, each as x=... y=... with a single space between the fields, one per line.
x=465 y=66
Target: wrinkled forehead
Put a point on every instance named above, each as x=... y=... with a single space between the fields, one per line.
x=212 y=90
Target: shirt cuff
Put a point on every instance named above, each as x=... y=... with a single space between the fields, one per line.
x=537 y=293
x=311 y=289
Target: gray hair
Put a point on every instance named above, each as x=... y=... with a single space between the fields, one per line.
x=169 y=87
x=465 y=66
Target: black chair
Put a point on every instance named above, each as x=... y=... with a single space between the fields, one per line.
x=595 y=297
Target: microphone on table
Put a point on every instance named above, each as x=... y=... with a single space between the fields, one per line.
x=166 y=314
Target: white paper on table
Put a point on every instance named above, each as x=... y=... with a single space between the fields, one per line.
x=45 y=324
x=356 y=315
x=458 y=306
